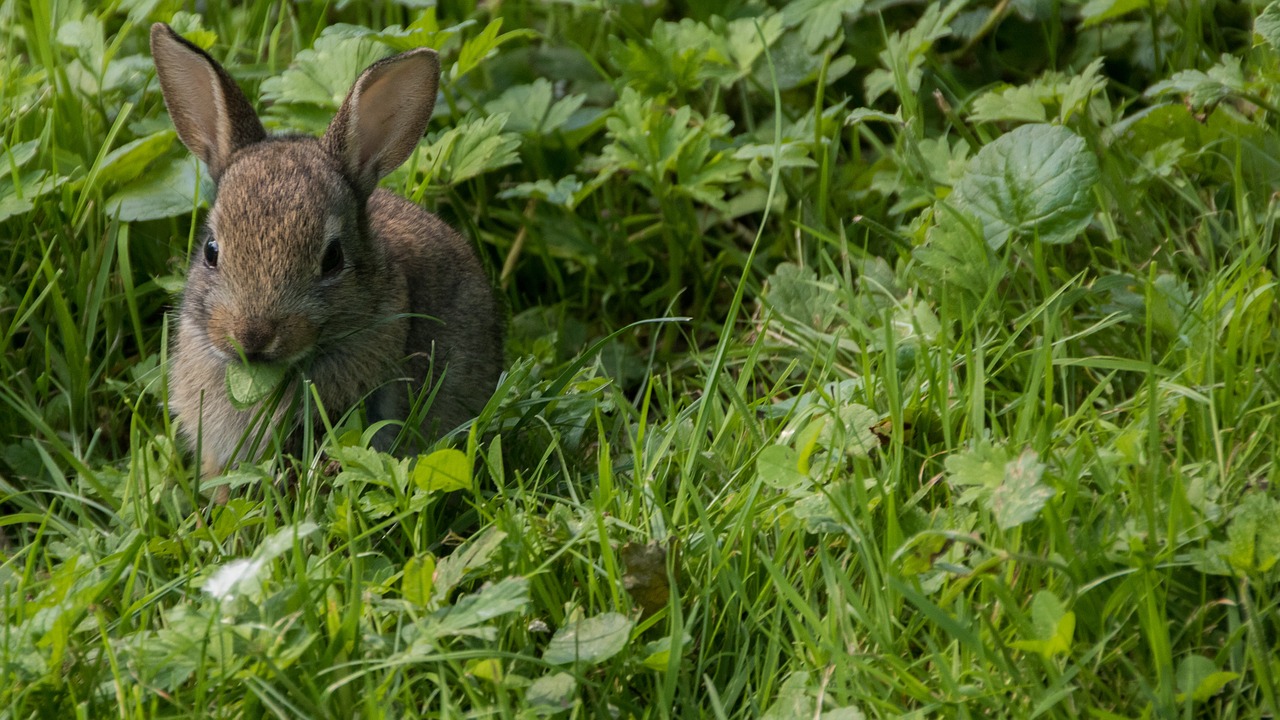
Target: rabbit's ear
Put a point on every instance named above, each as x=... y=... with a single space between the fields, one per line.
x=212 y=116
x=384 y=116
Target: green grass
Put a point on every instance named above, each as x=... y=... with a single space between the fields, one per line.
x=865 y=359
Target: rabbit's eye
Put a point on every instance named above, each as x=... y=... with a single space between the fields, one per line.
x=331 y=263
x=211 y=253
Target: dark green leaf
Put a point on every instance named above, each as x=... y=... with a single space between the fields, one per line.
x=1200 y=679
x=1033 y=182
x=590 y=640
x=552 y=693
x=322 y=74
x=166 y=192
x=1267 y=24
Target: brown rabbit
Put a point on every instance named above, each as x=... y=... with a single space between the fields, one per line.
x=305 y=263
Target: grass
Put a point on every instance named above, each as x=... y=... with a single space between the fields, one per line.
x=866 y=359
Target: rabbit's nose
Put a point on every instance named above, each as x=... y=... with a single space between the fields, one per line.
x=256 y=338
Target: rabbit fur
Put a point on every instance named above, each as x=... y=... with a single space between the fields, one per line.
x=315 y=268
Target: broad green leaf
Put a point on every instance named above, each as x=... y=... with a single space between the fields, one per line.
x=506 y=596
x=423 y=32
x=1009 y=488
x=529 y=108
x=474 y=556
x=837 y=391
x=1053 y=626
x=443 y=471
x=778 y=467
x=744 y=39
x=1096 y=12
x=418 y=579
x=567 y=192
x=322 y=74
x=1204 y=89
x=590 y=640
x=947 y=158
x=858 y=116
x=702 y=173
x=795 y=699
x=1074 y=91
x=848 y=431
x=1253 y=537
x=365 y=465
x=1267 y=24
x=127 y=161
x=957 y=256
x=19 y=192
x=16 y=156
x=1033 y=182
x=187 y=638
x=166 y=192
x=818 y=514
x=250 y=383
x=378 y=503
x=552 y=693
x=85 y=37
x=790 y=154
x=794 y=66
x=1161 y=160
x=1169 y=303
x=797 y=292
x=1020 y=104
x=919 y=552
x=191 y=27
x=488 y=669
x=657 y=654
x=1020 y=496
x=243 y=576
x=819 y=20
x=982 y=465
x=284 y=539
x=1200 y=679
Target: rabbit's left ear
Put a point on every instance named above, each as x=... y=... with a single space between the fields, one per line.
x=209 y=111
x=384 y=116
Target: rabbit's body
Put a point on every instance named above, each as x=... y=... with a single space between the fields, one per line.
x=307 y=265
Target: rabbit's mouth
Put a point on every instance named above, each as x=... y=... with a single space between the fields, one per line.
x=258 y=339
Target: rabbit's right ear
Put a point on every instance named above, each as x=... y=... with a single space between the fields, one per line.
x=384 y=116
x=212 y=116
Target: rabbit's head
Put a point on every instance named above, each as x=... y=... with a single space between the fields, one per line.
x=287 y=266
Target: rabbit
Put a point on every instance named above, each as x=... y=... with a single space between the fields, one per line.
x=305 y=263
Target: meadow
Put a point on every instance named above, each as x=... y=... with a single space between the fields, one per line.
x=866 y=358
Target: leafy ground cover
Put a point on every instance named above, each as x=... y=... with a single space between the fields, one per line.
x=866 y=359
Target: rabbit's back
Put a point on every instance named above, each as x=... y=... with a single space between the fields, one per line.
x=455 y=331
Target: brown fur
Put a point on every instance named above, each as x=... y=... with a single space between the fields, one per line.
x=410 y=305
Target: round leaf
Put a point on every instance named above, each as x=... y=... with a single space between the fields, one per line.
x=1035 y=181
x=590 y=640
x=250 y=384
x=443 y=471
